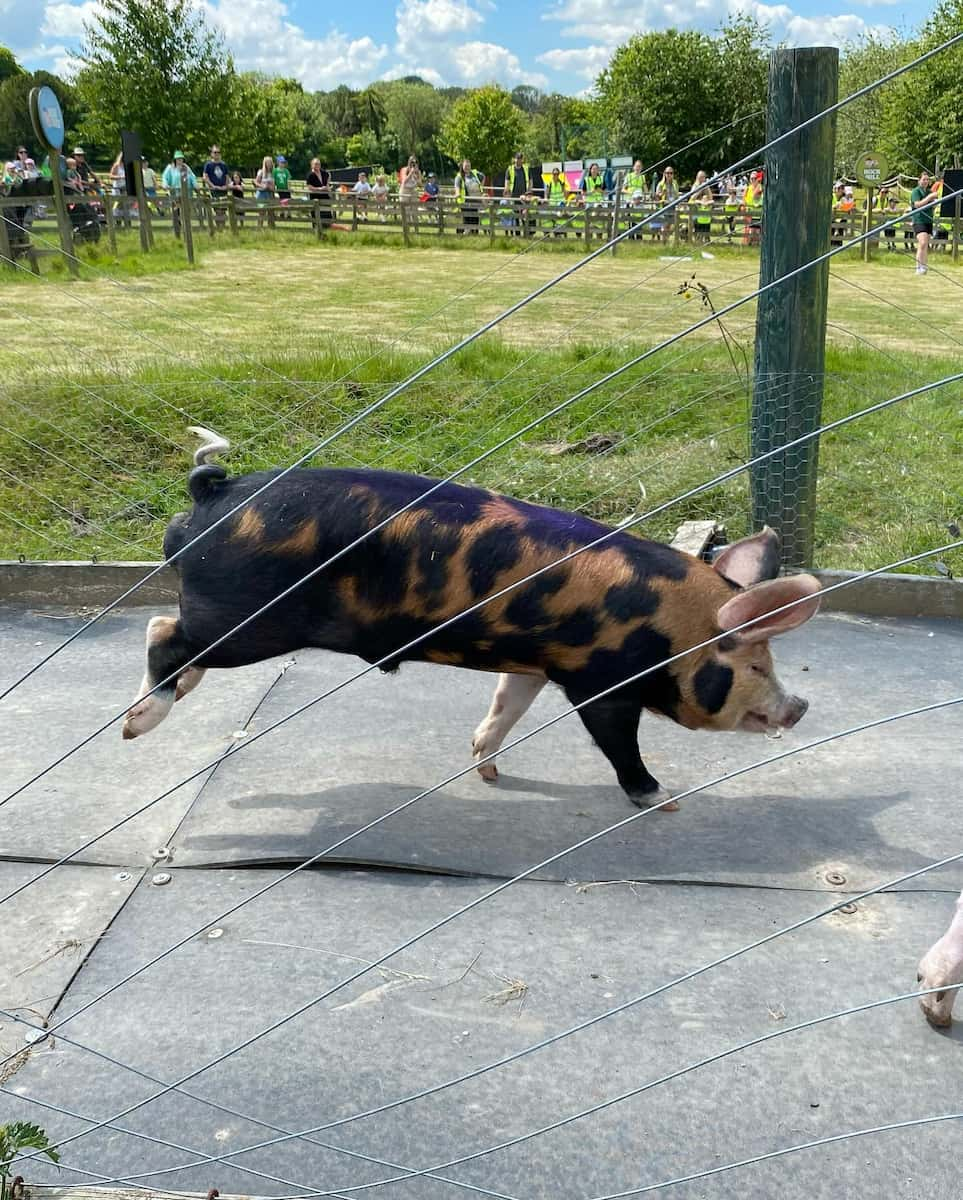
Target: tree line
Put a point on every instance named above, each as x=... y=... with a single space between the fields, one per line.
x=161 y=70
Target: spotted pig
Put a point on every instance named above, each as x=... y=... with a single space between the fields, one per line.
x=586 y=625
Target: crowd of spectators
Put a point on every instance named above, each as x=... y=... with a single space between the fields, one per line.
x=739 y=197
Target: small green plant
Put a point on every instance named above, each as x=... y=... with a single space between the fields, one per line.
x=14 y=1139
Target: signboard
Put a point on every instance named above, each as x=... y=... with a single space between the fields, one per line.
x=47 y=118
x=872 y=169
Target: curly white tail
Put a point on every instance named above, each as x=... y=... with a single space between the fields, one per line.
x=211 y=443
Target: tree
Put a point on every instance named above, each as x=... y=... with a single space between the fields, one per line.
x=263 y=118
x=371 y=110
x=664 y=90
x=861 y=126
x=341 y=109
x=414 y=113
x=485 y=127
x=8 y=64
x=742 y=84
x=157 y=69
x=923 y=109
x=527 y=98
x=15 y=124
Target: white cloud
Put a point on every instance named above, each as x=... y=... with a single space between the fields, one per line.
x=67 y=21
x=262 y=39
x=481 y=62
x=585 y=63
x=618 y=20
x=421 y=21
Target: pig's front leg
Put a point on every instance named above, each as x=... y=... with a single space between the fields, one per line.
x=941 y=967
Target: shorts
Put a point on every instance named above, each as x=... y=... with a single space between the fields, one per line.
x=264 y=194
x=922 y=227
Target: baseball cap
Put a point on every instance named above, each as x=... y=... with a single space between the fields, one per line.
x=281 y=158
x=78 y=150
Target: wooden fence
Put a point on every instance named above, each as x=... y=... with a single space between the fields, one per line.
x=486 y=217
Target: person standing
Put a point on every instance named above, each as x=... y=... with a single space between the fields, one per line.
x=264 y=189
x=318 y=186
x=118 y=187
x=920 y=197
x=410 y=188
x=593 y=185
x=468 y=194
x=175 y=172
x=216 y=177
x=666 y=192
x=518 y=187
x=282 y=182
x=634 y=183
x=89 y=180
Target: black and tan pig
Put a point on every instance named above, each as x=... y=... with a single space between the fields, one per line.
x=586 y=625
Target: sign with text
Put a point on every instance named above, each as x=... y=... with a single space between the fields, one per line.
x=871 y=169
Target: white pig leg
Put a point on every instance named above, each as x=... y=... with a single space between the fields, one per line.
x=940 y=967
x=513 y=697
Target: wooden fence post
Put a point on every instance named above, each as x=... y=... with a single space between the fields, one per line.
x=615 y=210
x=232 y=212
x=187 y=218
x=143 y=218
x=791 y=316
x=63 y=217
x=867 y=222
x=6 y=250
x=404 y=222
x=111 y=228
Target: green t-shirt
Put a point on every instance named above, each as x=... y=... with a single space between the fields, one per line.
x=922 y=218
x=282 y=179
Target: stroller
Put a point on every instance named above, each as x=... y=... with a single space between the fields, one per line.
x=84 y=218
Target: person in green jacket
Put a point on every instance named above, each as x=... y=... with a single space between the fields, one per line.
x=282 y=183
x=920 y=197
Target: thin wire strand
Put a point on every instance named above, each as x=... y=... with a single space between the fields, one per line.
x=505 y=314
x=758 y=1158
x=227 y=1157
x=485 y=896
x=434 y=488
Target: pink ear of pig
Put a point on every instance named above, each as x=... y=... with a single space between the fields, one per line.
x=760 y=604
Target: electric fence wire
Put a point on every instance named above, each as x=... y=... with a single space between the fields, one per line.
x=838 y=423
x=833 y=1139
x=498 y=319
x=132 y=1179
x=502 y=886
x=561 y=406
x=494 y=385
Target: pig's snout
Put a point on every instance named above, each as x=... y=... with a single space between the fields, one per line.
x=796 y=709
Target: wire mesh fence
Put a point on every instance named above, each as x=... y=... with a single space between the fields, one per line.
x=634 y=431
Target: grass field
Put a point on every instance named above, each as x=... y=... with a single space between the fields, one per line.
x=274 y=343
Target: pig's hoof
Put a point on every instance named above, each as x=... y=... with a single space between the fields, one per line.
x=489 y=772
x=937 y=1006
x=145 y=715
x=659 y=797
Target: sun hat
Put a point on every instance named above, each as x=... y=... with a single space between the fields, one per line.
x=178 y=154
x=281 y=158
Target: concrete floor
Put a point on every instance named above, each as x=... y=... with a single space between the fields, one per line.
x=739 y=861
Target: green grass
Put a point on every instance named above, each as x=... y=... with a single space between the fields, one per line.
x=101 y=382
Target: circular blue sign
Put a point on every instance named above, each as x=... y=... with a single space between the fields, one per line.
x=48 y=117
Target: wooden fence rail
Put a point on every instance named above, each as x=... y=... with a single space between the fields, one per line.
x=486 y=217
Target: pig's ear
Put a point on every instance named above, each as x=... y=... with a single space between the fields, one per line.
x=752 y=560
x=761 y=601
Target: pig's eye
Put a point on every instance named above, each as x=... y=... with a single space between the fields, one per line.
x=756 y=670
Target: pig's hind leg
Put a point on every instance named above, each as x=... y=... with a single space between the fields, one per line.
x=613 y=723
x=167 y=652
x=512 y=699
x=941 y=967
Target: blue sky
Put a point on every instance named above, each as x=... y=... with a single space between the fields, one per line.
x=559 y=45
